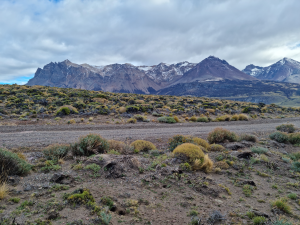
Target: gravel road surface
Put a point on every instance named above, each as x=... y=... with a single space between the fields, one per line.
x=40 y=136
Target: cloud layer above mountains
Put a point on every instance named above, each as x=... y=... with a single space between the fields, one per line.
x=99 y=32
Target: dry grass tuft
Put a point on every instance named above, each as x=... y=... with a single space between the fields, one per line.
x=118 y=146
x=3 y=187
x=207 y=164
x=201 y=142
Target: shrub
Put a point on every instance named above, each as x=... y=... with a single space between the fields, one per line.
x=292 y=196
x=131 y=120
x=248 y=137
x=50 y=165
x=282 y=222
x=14 y=200
x=178 y=140
x=166 y=119
x=219 y=135
x=118 y=146
x=222 y=165
x=122 y=110
x=193 y=119
x=279 y=137
x=259 y=220
x=288 y=128
x=202 y=119
x=66 y=110
x=282 y=205
x=201 y=142
x=12 y=164
x=216 y=148
x=56 y=151
x=259 y=150
x=206 y=164
x=189 y=151
x=296 y=166
x=247 y=189
x=224 y=118
x=4 y=190
x=89 y=145
x=295 y=156
x=141 y=145
x=235 y=118
x=176 y=119
x=141 y=118
x=294 y=138
x=243 y=117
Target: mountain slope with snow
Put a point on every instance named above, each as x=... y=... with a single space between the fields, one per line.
x=285 y=70
x=134 y=79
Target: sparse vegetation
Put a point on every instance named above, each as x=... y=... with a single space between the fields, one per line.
x=219 y=135
x=141 y=145
x=12 y=164
x=56 y=151
x=90 y=145
x=288 y=128
x=279 y=137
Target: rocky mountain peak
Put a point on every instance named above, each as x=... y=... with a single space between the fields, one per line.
x=285 y=70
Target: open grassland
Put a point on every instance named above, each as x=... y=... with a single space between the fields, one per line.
x=23 y=105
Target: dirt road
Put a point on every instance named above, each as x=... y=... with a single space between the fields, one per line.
x=40 y=136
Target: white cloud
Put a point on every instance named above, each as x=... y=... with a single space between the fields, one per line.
x=34 y=33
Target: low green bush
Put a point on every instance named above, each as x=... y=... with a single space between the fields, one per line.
x=288 y=128
x=282 y=205
x=203 y=119
x=56 y=151
x=166 y=119
x=89 y=145
x=279 y=137
x=296 y=166
x=178 y=140
x=294 y=138
x=259 y=150
x=248 y=137
x=219 y=135
x=12 y=164
x=259 y=220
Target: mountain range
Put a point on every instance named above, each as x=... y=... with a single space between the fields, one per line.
x=212 y=77
x=134 y=79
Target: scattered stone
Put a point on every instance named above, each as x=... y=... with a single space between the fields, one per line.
x=62 y=178
x=13 y=180
x=245 y=155
x=28 y=187
x=218 y=201
x=52 y=215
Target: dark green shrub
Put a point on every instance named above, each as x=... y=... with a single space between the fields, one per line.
x=296 y=166
x=202 y=119
x=178 y=140
x=56 y=151
x=295 y=156
x=66 y=110
x=219 y=135
x=288 y=128
x=282 y=222
x=89 y=145
x=49 y=166
x=166 y=119
x=294 y=138
x=279 y=137
x=12 y=164
x=259 y=220
x=248 y=137
x=259 y=150
x=107 y=201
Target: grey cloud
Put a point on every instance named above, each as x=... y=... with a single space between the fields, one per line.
x=34 y=33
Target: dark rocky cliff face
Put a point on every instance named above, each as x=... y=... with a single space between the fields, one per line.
x=133 y=79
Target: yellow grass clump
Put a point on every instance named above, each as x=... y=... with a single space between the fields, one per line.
x=116 y=145
x=141 y=145
x=3 y=190
x=206 y=164
x=191 y=151
x=243 y=117
x=176 y=119
x=122 y=110
x=222 y=165
x=216 y=148
x=201 y=142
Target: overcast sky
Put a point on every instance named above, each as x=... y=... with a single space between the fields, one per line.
x=144 y=32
